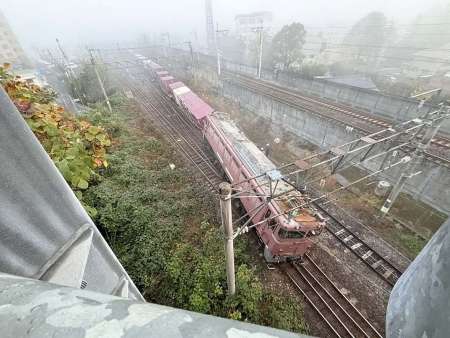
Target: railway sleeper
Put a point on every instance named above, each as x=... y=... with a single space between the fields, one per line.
x=367 y=255
x=377 y=264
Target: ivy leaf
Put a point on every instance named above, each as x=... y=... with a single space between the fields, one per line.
x=89 y=137
x=82 y=184
x=79 y=194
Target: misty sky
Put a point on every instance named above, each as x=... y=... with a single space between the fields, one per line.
x=80 y=22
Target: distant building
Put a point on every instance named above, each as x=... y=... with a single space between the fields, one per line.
x=355 y=80
x=10 y=49
x=247 y=24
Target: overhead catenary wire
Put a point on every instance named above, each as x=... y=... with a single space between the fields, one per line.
x=418 y=58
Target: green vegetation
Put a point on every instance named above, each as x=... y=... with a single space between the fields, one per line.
x=85 y=86
x=77 y=147
x=163 y=233
x=410 y=242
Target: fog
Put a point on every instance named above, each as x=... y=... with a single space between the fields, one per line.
x=81 y=22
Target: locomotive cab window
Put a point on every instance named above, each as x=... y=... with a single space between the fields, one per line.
x=285 y=234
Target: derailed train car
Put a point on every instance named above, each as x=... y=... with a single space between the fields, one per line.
x=284 y=237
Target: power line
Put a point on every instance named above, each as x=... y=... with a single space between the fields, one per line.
x=430 y=60
x=426 y=49
x=416 y=58
x=385 y=26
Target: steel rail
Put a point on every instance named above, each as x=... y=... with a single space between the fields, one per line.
x=428 y=155
x=340 y=315
x=188 y=147
x=366 y=253
x=441 y=141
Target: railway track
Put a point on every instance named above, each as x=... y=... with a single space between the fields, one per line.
x=365 y=124
x=381 y=266
x=341 y=317
x=176 y=128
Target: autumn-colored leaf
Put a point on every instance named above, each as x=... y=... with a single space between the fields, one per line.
x=76 y=146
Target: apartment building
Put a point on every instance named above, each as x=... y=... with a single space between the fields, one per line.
x=10 y=49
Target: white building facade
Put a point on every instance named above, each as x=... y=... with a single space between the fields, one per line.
x=10 y=48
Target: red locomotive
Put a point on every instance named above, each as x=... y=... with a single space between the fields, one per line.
x=285 y=237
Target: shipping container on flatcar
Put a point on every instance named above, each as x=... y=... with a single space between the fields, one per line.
x=194 y=107
x=165 y=82
x=175 y=85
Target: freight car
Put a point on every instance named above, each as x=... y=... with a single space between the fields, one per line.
x=164 y=82
x=284 y=237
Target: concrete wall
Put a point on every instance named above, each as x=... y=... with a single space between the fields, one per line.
x=430 y=187
x=382 y=105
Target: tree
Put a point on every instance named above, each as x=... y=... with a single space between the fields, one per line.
x=364 y=43
x=287 y=46
x=86 y=83
x=427 y=31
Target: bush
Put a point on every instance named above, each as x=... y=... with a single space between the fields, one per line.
x=77 y=147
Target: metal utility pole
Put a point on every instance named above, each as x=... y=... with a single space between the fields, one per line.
x=227 y=224
x=429 y=132
x=108 y=103
x=261 y=41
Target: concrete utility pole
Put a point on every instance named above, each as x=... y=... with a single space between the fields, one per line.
x=210 y=36
x=100 y=81
x=261 y=41
x=219 y=70
x=168 y=39
x=227 y=224
x=410 y=171
x=191 y=50
x=69 y=74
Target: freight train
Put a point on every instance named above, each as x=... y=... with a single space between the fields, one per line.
x=284 y=237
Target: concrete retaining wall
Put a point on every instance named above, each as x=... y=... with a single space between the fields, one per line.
x=430 y=187
x=384 y=106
